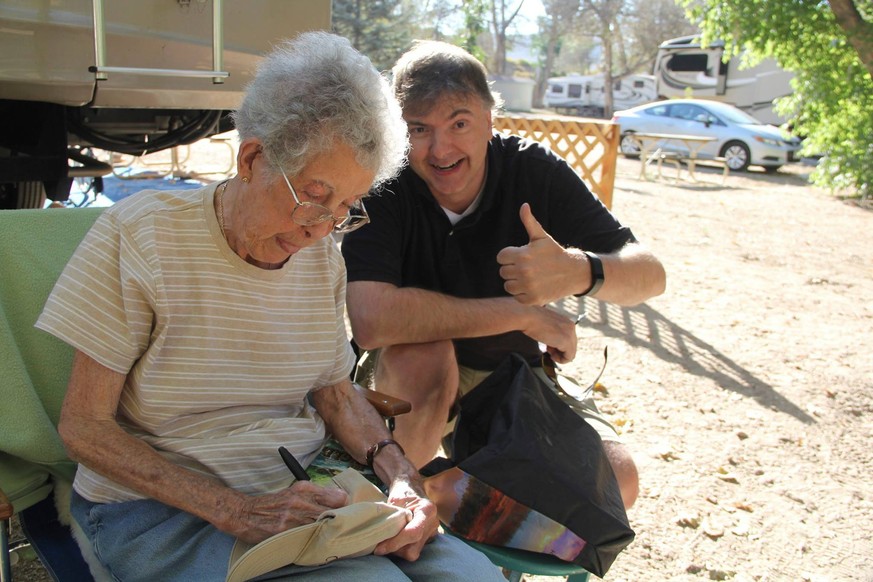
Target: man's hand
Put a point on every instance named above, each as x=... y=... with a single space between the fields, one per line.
x=266 y=515
x=420 y=529
x=541 y=271
x=556 y=331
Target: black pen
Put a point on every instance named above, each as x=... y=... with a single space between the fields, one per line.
x=296 y=469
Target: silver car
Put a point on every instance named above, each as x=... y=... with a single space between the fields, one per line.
x=740 y=139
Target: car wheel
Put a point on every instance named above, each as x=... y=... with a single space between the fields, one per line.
x=736 y=155
x=630 y=147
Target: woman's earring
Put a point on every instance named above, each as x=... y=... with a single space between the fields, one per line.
x=245 y=179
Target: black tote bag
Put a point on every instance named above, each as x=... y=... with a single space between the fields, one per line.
x=527 y=472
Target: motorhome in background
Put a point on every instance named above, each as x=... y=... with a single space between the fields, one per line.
x=683 y=68
x=124 y=76
x=584 y=94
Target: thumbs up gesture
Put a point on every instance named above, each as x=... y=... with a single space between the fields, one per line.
x=541 y=271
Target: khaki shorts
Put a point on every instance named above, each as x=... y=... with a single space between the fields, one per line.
x=578 y=399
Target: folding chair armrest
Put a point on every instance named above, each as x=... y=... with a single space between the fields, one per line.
x=386 y=405
x=6 y=509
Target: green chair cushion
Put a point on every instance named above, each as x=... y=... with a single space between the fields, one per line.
x=35 y=245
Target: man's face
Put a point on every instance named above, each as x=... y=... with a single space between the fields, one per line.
x=449 y=145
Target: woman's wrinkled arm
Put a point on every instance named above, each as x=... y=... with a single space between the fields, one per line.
x=93 y=437
x=356 y=425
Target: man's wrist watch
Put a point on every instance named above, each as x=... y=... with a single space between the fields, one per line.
x=597 y=276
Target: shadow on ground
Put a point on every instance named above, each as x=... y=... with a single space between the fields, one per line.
x=644 y=327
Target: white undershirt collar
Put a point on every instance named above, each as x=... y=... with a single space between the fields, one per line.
x=454 y=217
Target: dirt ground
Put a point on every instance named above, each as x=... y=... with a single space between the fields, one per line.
x=746 y=390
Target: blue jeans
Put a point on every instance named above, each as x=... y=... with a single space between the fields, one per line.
x=147 y=540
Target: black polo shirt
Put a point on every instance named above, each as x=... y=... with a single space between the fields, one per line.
x=410 y=241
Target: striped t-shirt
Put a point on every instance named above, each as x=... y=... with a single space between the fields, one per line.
x=219 y=354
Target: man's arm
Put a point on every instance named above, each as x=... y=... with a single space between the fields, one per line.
x=543 y=271
x=383 y=314
x=93 y=437
x=632 y=275
x=356 y=425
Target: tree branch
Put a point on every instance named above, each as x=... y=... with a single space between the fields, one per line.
x=858 y=31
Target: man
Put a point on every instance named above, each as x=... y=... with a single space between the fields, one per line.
x=467 y=247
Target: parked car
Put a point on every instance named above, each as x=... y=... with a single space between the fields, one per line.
x=741 y=139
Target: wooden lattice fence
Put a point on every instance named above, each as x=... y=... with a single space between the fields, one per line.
x=589 y=146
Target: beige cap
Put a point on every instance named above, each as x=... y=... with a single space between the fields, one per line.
x=348 y=532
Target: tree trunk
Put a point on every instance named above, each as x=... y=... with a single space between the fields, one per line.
x=858 y=31
x=546 y=71
x=606 y=37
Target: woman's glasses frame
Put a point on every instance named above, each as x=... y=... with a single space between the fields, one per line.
x=313 y=214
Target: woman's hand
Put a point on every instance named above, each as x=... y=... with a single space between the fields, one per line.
x=355 y=424
x=409 y=543
x=266 y=515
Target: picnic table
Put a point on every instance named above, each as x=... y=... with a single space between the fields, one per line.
x=655 y=149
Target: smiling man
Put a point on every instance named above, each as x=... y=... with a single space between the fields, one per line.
x=466 y=248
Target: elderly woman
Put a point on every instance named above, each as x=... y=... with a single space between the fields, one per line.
x=208 y=327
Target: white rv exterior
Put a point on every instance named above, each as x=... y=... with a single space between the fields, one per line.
x=126 y=76
x=585 y=94
x=683 y=68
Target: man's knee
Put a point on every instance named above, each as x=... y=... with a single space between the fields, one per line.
x=625 y=471
x=422 y=364
x=415 y=358
x=426 y=371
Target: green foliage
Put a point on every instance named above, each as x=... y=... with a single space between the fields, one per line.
x=474 y=19
x=832 y=105
x=378 y=28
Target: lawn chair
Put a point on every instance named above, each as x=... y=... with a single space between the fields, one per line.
x=35 y=245
x=34 y=367
x=516 y=563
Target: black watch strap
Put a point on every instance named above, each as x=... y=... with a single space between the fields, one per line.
x=374 y=450
x=597 y=277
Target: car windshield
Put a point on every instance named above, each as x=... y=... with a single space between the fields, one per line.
x=733 y=115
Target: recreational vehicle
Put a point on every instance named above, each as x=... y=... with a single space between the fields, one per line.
x=684 y=68
x=584 y=94
x=125 y=76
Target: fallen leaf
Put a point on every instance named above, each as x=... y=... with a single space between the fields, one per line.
x=668 y=455
x=818 y=281
x=741 y=529
x=691 y=520
x=715 y=574
x=713 y=532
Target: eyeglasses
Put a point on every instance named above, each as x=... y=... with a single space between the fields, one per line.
x=312 y=214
